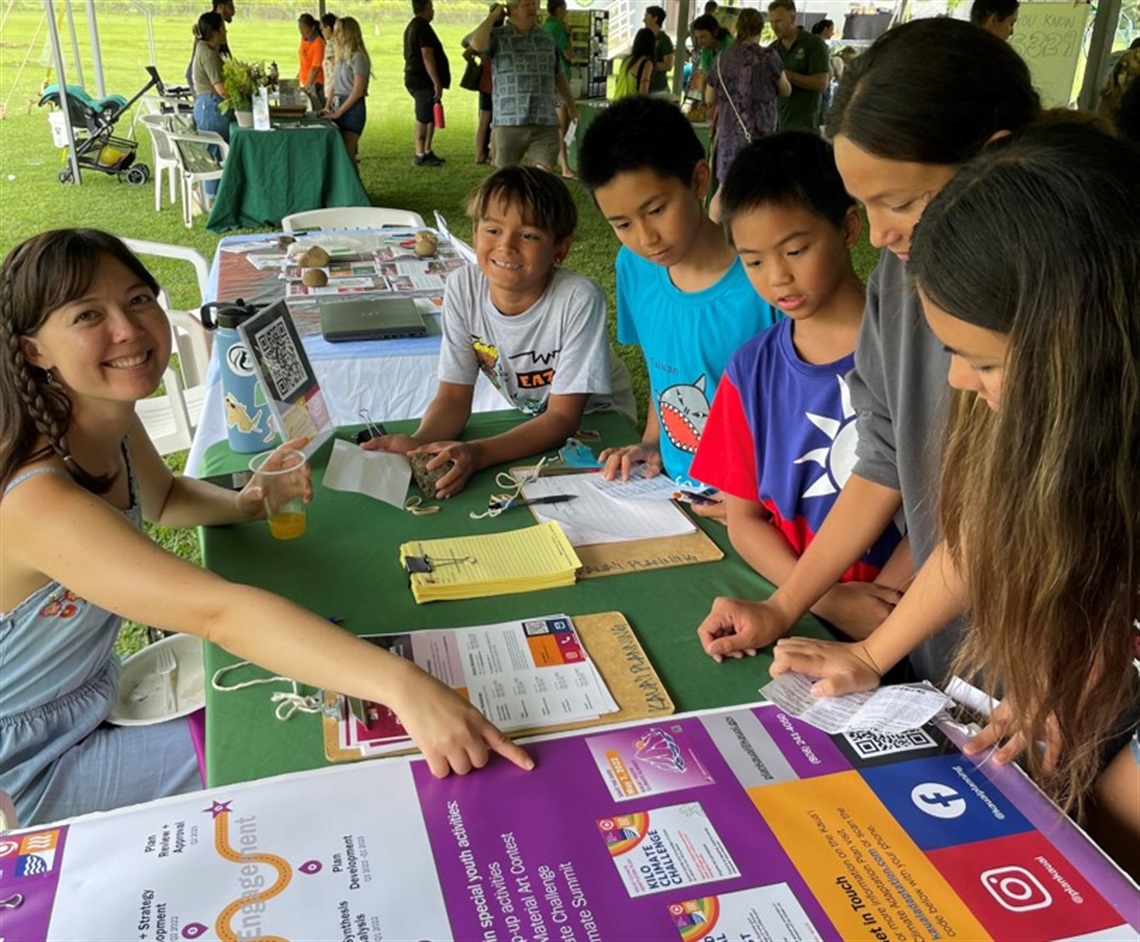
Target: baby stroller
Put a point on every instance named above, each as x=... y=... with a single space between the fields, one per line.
x=92 y=123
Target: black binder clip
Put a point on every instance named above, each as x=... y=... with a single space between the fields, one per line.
x=425 y=565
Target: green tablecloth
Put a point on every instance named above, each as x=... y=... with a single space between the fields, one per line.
x=347 y=565
x=291 y=169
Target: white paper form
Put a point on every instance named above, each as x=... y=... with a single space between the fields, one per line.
x=595 y=517
x=893 y=709
x=380 y=474
x=638 y=487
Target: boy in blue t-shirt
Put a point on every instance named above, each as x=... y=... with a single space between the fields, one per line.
x=682 y=293
x=780 y=440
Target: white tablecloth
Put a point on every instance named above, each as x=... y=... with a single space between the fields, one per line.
x=392 y=379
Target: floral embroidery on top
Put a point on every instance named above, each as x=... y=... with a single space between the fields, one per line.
x=61 y=605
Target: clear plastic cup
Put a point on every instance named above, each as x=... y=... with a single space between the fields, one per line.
x=281 y=474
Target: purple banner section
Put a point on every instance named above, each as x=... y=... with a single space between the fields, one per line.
x=30 y=865
x=1117 y=889
x=538 y=867
x=809 y=750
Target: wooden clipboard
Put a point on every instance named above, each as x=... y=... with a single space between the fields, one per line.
x=614 y=648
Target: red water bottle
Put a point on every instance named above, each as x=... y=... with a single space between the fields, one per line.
x=437 y=115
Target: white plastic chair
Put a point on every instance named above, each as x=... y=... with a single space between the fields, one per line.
x=182 y=253
x=191 y=175
x=165 y=156
x=351 y=217
x=172 y=418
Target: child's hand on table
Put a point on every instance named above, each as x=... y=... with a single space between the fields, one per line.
x=451 y=733
x=466 y=464
x=619 y=461
x=400 y=444
x=736 y=627
x=841 y=667
x=857 y=608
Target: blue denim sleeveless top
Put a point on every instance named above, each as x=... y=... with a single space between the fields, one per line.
x=60 y=672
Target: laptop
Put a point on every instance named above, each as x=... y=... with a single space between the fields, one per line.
x=371 y=319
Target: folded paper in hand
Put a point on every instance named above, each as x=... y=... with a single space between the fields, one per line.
x=887 y=710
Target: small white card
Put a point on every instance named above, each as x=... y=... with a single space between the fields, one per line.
x=384 y=475
x=893 y=709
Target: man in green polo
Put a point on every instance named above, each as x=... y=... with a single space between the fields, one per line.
x=806 y=63
x=663 y=51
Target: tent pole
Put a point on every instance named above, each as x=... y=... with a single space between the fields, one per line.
x=96 y=52
x=57 y=56
x=1100 y=46
x=74 y=46
x=679 y=56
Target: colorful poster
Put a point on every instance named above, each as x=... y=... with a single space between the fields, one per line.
x=761 y=827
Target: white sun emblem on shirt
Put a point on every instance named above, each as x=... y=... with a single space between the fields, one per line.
x=837 y=459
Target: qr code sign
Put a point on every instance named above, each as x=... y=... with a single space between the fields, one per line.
x=280 y=356
x=870 y=744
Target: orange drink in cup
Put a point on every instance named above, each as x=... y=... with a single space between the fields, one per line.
x=281 y=475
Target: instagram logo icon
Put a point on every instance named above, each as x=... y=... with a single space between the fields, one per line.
x=1016 y=889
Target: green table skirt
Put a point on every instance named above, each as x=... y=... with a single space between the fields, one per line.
x=292 y=169
x=347 y=565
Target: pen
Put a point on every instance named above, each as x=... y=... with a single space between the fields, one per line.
x=531 y=501
x=335 y=619
x=697 y=500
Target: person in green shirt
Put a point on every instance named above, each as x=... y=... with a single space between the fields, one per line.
x=710 y=38
x=555 y=24
x=806 y=63
x=663 y=51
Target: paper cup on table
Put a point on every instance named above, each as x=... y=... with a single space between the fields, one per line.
x=281 y=474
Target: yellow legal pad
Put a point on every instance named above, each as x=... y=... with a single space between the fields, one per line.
x=474 y=567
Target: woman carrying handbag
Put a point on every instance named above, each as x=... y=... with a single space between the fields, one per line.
x=743 y=87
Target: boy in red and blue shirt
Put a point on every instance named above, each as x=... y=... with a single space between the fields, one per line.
x=780 y=438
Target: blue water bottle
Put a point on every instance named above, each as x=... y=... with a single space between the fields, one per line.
x=249 y=425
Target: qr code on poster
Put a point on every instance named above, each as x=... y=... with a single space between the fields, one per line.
x=280 y=357
x=870 y=744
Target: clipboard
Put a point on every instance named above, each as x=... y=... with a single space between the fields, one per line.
x=613 y=559
x=613 y=647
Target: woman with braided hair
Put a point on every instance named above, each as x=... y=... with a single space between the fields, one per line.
x=82 y=339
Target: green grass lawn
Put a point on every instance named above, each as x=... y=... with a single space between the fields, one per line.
x=31 y=200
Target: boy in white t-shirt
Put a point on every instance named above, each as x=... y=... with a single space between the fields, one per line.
x=537 y=331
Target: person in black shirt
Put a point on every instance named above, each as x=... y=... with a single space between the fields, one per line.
x=426 y=75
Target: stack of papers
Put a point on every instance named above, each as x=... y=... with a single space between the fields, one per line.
x=601 y=515
x=528 y=674
x=475 y=567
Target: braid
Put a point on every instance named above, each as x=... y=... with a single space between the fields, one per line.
x=45 y=407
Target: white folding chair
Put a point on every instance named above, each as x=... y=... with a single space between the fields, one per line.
x=182 y=253
x=351 y=217
x=172 y=418
x=165 y=158
x=197 y=165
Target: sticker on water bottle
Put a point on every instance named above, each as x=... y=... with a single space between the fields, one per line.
x=239 y=360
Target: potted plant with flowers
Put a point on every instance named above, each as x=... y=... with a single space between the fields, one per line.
x=242 y=79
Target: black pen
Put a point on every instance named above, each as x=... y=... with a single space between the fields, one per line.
x=531 y=501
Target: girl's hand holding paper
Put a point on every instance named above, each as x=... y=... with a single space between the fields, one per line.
x=841 y=667
x=400 y=444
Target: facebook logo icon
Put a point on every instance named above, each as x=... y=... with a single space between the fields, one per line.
x=938 y=800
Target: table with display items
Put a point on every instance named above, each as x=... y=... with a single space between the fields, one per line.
x=347 y=565
x=391 y=379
